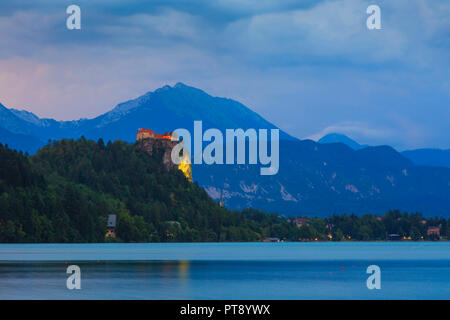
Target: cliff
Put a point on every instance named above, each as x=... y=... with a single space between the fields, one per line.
x=164 y=147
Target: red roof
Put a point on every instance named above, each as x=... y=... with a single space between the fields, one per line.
x=145 y=130
x=166 y=135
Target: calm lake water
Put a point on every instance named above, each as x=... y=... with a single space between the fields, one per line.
x=409 y=270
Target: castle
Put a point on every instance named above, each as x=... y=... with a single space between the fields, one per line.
x=149 y=134
x=154 y=142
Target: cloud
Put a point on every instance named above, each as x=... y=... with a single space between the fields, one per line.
x=262 y=33
x=87 y=83
x=308 y=66
x=360 y=130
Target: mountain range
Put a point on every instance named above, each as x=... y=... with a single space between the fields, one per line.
x=421 y=157
x=314 y=178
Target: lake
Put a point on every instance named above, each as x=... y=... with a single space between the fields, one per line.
x=315 y=270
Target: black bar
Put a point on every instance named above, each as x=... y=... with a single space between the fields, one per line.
x=224 y=309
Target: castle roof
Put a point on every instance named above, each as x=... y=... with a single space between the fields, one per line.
x=145 y=130
x=154 y=135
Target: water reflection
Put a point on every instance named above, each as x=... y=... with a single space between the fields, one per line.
x=225 y=280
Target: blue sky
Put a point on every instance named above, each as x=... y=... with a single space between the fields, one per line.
x=310 y=67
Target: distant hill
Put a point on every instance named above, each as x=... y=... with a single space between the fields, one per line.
x=12 y=123
x=420 y=157
x=322 y=179
x=341 y=138
x=165 y=109
x=26 y=143
x=169 y=108
x=429 y=157
x=313 y=179
x=27 y=123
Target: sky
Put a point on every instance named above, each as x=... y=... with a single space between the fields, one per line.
x=309 y=67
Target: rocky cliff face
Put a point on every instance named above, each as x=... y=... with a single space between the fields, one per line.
x=165 y=146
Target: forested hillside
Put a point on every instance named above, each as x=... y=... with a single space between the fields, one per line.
x=65 y=192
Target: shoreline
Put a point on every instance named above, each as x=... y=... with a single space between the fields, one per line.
x=222 y=242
